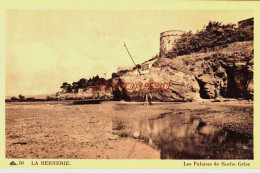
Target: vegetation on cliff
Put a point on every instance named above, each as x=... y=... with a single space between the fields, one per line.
x=82 y=83
x=212 y=37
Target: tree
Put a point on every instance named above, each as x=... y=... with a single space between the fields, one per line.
x=82 y=83
x=213 y=36
x=96 y=79
x=21 y=97
x=69 y=88
x=75 y=85
x=66 y=86
x=30 y=99
x=115 y=75
x=14 y=99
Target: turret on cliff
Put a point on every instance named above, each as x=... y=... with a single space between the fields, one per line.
x=168 y=40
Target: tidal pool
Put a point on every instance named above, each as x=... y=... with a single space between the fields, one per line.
x=181 y=136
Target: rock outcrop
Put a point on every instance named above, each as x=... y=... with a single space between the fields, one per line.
x=174 y=85
x=227 y=73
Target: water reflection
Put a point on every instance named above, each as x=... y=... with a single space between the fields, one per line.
x=185 y=137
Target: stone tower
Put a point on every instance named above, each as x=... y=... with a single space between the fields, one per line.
x=167 y=40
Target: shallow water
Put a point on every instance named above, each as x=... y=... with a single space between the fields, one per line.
x=182 y=136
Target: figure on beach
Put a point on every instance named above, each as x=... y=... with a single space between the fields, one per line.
x=216 y=91
x=148 y=98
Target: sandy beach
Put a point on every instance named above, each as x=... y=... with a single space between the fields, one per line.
x=129 y=130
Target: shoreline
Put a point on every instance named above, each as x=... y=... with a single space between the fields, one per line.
x=42 y=130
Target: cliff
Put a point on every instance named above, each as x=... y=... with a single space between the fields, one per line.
x=227 y=72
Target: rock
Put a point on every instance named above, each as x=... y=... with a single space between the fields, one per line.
x=176 y=85
x=136 y=134
x=225 y=73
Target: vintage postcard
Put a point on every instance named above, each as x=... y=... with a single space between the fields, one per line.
x=130 y=84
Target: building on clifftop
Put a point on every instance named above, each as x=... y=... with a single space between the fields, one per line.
x=168 y=40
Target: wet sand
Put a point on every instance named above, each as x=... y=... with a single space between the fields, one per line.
x=120 y=130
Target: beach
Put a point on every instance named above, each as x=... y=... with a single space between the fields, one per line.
x=129 y=130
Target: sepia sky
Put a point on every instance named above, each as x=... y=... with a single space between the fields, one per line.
x=46 y=48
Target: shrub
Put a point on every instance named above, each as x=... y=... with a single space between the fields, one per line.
x=30 y=99
x=14 y=99
x=212 y=37
x=21 y=97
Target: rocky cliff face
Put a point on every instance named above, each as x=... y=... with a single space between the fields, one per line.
x=175 y=85
x=227 y=73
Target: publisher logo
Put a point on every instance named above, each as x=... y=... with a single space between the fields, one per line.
x=13 y=163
